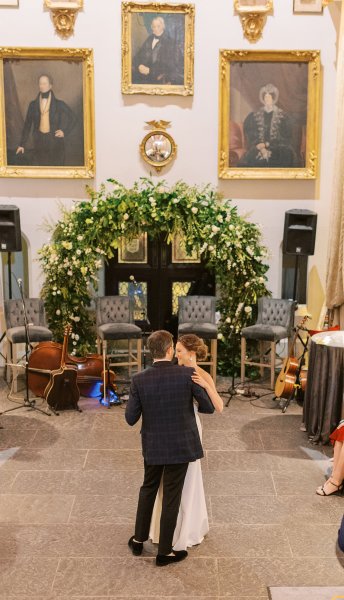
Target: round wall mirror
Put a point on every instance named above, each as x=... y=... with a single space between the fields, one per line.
x=158 y=148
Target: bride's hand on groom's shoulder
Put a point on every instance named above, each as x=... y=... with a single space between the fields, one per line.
x=199 y=380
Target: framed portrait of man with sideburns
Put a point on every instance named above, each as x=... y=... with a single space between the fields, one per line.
x=47 y=113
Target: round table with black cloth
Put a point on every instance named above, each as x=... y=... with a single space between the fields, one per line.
x=323 y=403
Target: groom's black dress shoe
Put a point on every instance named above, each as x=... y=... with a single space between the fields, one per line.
x=163 y=559
x=135 y=547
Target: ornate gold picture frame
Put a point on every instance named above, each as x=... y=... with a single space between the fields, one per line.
x=47 y=113
x=269 y=114
x=157 y=48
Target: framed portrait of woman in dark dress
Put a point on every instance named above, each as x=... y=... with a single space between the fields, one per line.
x=269 y=114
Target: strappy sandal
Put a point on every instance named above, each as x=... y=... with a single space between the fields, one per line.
x=321 y=490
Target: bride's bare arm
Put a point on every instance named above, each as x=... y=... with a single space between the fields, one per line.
x=205 y=380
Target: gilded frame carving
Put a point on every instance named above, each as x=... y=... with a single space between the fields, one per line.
x=140 y=10
x=80 y=162
x=261 y=68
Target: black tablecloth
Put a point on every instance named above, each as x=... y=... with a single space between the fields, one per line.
x=323 y=401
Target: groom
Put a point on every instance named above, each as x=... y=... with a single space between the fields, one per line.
x=163 y=394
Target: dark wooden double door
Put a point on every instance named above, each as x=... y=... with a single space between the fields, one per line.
x=161 y=280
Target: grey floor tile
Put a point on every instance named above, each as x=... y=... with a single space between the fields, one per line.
x=313 y=539
x=114 y=459
x=24 y=576
x=275 y=510
x=192 y=577
x=231 y=483
x=248 y=576
x=30 y=508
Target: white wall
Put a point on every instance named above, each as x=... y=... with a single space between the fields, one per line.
x=120 y=120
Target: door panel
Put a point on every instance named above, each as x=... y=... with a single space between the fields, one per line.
x=160 y=282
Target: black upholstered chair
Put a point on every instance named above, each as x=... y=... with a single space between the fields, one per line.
x=196 y=315
x=115 y=321
x=275 y=322
x=15 y=329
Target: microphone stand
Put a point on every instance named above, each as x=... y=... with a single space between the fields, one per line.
x=232 y=390
x=28 y=402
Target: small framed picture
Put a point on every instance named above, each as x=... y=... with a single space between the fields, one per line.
x=179 y=253
x=308 y=6
x=252 y=5
x=9 y=3
x=134 y=250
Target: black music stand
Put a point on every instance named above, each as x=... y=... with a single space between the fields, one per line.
x=28 y=403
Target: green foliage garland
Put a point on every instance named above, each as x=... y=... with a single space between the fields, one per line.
x=89 y=232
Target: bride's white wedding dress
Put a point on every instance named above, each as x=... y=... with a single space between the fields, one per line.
x=192 y=523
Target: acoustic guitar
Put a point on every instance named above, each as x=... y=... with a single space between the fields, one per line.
x=62 y=392
x=287 y=376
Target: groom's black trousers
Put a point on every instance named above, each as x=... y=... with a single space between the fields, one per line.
x=173 y=481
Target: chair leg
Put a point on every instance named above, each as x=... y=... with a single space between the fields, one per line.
x=213 y=359
x=261 y=358
x=243 y=357
x=139 y=355
x=273 y=364
x=130 y=353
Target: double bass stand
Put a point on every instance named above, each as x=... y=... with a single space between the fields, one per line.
x=297 y=384
x=28 y=402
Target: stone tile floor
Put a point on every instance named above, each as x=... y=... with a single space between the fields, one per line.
x=68 y=493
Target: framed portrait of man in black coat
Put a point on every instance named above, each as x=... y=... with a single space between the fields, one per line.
x=269 y=114
x=46 y=111
x=157 y=48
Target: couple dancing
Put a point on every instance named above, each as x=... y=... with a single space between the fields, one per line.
x=171 y=507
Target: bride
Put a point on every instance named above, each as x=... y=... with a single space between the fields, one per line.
x=192 y=523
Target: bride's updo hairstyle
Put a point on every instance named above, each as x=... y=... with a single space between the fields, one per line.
x=193 y=343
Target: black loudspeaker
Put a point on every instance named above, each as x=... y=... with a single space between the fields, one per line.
x=299 y=232
x=10 y=234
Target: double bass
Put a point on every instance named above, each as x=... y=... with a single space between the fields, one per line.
x=46 y=356
x=286 y=380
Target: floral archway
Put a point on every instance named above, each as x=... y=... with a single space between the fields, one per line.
x=87 y=234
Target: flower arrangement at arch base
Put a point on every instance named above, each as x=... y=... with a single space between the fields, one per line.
x=229 y=245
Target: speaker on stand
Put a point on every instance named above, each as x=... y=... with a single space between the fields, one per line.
x=10 y=239
x=10 y=235
x=298 y=243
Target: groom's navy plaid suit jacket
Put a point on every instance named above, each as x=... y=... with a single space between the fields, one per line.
x=164 y=394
